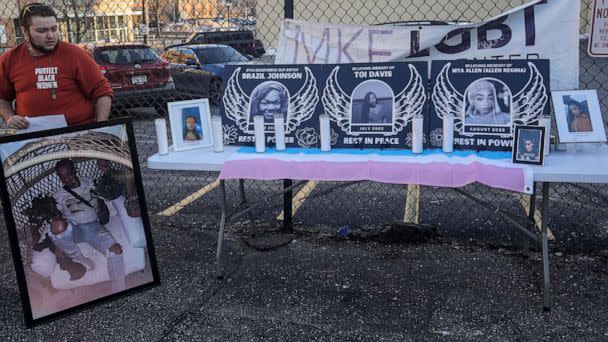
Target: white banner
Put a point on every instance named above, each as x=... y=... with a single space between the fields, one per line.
x=547 y=29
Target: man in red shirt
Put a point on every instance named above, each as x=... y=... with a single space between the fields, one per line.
x=46 y=76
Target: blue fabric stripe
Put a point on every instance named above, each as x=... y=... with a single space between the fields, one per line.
x=385 y=152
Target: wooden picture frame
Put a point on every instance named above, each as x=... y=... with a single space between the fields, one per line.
x=64 y=262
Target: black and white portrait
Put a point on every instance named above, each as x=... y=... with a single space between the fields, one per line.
x=268 y=99
x=372 y=103
x=487 y=103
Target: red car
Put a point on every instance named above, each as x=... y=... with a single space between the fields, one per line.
x=138 y=76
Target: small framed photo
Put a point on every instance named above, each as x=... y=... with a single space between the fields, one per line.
x=76 y=217
x=529 y=144
x=578 y=116
x=190 y=124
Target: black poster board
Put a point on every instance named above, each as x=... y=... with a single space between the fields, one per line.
x=487 y=99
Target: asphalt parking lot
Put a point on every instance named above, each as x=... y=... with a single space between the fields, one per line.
x=321 y=288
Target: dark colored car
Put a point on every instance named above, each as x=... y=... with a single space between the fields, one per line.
x=137 y=74
x=241 y=40
x=198 y=69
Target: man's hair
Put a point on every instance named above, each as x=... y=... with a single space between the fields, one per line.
x=35 y=9
x=64 y=163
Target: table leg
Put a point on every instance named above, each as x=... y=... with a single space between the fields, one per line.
x=253 y=228
x=531 y=211
x=547 y=286
x=287 y=205
x=219 y=268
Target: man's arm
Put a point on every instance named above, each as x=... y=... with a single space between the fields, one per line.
x=10 y=117
x=102 y=108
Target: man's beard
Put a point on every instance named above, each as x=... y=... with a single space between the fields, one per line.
x=42 y=48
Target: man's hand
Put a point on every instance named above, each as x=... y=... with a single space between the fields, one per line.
x=18 y=122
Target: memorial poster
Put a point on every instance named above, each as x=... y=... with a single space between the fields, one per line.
x=487 y=99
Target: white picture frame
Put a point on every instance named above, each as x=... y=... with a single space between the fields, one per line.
x=190 y=112
x=578 y=116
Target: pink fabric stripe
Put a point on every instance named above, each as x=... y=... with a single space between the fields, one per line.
x=434 y=174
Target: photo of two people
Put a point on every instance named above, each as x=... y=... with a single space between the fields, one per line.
x=76 y=217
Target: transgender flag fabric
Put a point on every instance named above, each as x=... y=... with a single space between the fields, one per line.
x=433 y=167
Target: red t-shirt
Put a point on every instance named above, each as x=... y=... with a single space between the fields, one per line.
x=69 y=70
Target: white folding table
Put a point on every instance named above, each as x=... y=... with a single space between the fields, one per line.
x=588 y=164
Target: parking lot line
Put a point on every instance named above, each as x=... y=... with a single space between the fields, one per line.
x=412 y=204
x=299 y=198
x=525 y=202
x=191 y=198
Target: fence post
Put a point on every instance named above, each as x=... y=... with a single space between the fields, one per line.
x=288 y=9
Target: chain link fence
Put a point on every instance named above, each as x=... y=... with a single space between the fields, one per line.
x=119 y=33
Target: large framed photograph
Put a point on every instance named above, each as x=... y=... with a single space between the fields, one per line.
x=190 y=124
x=529 y=145
x=76 y=216
x=578 y=116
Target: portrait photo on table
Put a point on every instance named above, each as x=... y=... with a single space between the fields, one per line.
x=190 y=124
x=529 y=145
x=76 y=217
x=578 y=116
x=372 y=103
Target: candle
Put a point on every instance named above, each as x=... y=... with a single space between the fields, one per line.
x=325 y=132
x=258 y=128
x=279 y=131
x=161 y=136
x=448 y=133
x=417 y=134
x=218 y=133
x=545 y=121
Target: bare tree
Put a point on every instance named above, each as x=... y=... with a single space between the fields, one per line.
x=158 y=9
x=78 y=15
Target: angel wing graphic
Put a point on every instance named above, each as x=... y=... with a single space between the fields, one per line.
x=447 y=100
x=527 y=105
x=408 y=103
x=529 y=102
x=301 y=105
x=336 y=102
x=236 y=102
